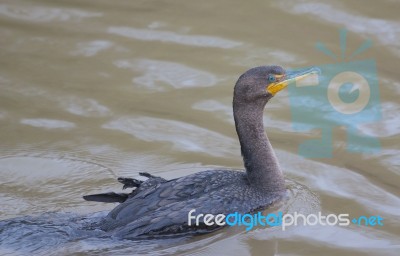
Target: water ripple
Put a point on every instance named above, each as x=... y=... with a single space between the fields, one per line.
x=89 y=49
x=157 y=73
x=388 y=126
x=386 y=31
x=48 y=123
x=173 y=37
x=44 y=14
x=183 y=136
x=83 y=106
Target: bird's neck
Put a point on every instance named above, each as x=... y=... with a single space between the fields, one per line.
x=259 y=158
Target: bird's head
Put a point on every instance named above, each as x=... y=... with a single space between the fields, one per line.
x=260 y=84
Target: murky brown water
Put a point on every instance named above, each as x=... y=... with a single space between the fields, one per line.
x=92 y=90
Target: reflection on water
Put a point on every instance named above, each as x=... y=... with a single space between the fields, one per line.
x=91 y=48
x=174 y=75
x=35 y=185
x=386 y=31
x=48 y=233
x=184 y=137
x=83 y=107
x=90 y=92
x=167 y=36
x=43 y=14
x=47 y=123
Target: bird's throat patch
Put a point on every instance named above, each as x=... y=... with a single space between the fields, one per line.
x=276 y=87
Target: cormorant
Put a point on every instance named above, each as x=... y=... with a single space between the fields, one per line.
x=160 y=207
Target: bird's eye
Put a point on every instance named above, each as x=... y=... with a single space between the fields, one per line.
x=271 y=78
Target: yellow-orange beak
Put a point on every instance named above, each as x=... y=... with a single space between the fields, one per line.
x=290 y=76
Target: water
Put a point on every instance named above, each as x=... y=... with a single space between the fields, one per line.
x=93 y=91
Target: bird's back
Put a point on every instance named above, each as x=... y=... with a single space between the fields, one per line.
x=161 y=207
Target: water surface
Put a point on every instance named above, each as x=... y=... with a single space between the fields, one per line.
x=95 y=90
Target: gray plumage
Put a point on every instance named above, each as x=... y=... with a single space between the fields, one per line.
x=160 y=207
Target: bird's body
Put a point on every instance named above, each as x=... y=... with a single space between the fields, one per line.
x=163 y=207
x=160 y=207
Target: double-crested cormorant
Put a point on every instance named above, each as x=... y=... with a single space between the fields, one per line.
x=160 y=207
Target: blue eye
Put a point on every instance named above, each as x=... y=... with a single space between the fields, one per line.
x=271 y=78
